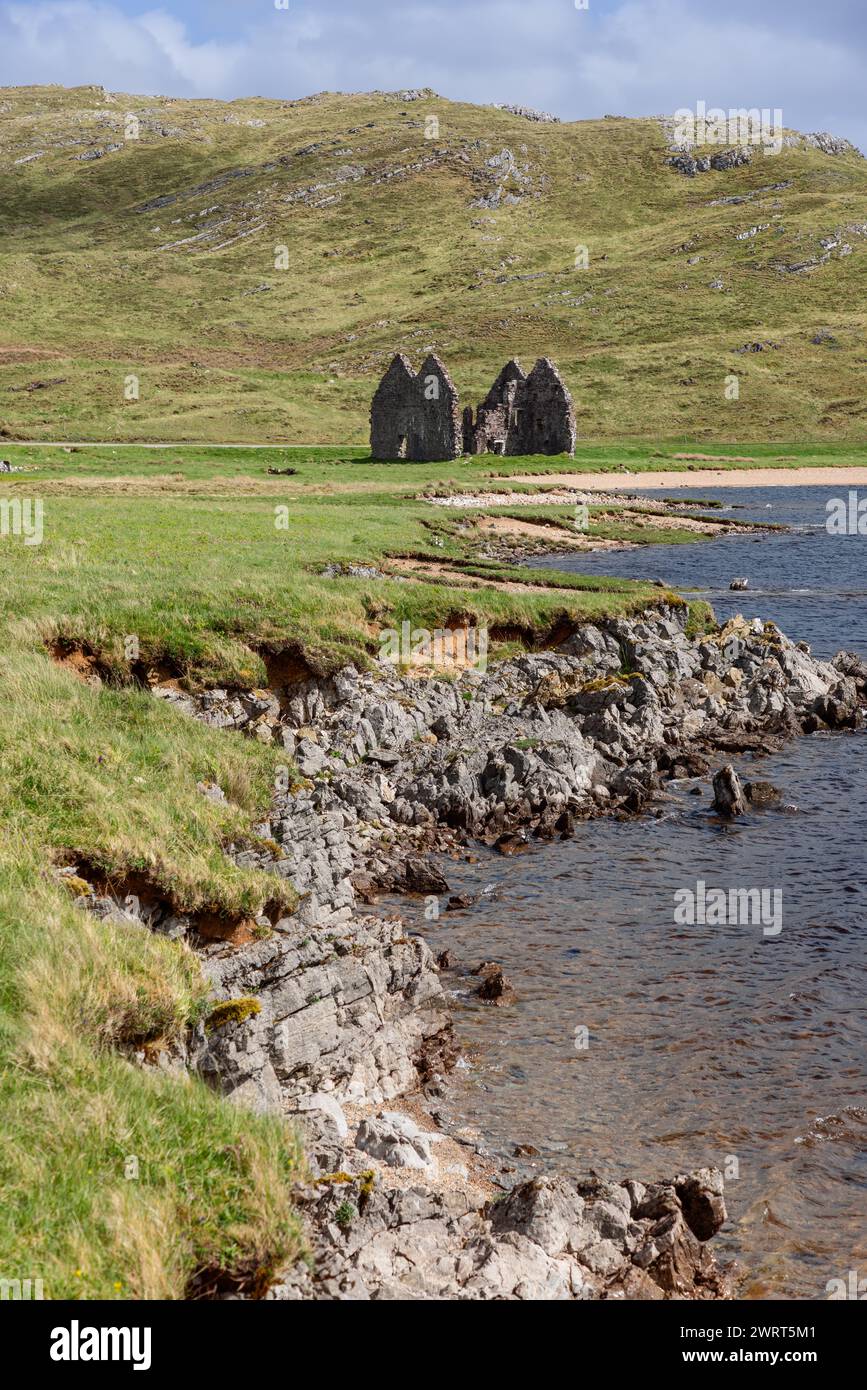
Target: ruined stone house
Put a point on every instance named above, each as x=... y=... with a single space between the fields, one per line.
x=418 y=417
x=523 y=414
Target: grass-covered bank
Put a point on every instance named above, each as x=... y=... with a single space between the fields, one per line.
x=210 y=562
x=118 y=1180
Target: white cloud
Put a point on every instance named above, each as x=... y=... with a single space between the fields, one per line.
x=206 y=69
x=74 y=42
x=662 y=55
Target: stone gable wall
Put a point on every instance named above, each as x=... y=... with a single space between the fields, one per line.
x=416 y=416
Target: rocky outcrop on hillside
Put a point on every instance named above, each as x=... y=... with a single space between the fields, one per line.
x=529 y=113
x=827 y=143
x=691 y=164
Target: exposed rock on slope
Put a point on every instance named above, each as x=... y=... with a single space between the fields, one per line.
x=348 y=1012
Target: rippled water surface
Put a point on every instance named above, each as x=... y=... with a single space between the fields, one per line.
x=706 y=1044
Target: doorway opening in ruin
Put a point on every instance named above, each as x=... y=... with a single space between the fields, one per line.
x=401 y=446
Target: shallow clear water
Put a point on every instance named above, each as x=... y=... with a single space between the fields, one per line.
x=707 y=1044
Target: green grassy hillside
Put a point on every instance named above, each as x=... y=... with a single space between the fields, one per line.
x=159 y=257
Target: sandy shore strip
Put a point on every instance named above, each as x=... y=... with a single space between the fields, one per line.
x=692 y=479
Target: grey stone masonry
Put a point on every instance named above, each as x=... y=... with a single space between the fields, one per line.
x=418 y=416
x=523 y=414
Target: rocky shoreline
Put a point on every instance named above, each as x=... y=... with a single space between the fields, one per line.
x=335 y=1017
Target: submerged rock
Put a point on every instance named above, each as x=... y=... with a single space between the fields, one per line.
x=495 y=988
x=762 y=794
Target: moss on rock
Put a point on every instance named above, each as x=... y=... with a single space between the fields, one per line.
x=233 y=1011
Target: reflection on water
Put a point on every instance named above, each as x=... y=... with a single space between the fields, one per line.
x=706 y=1044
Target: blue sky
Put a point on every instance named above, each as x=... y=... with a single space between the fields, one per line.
x=625 y=57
